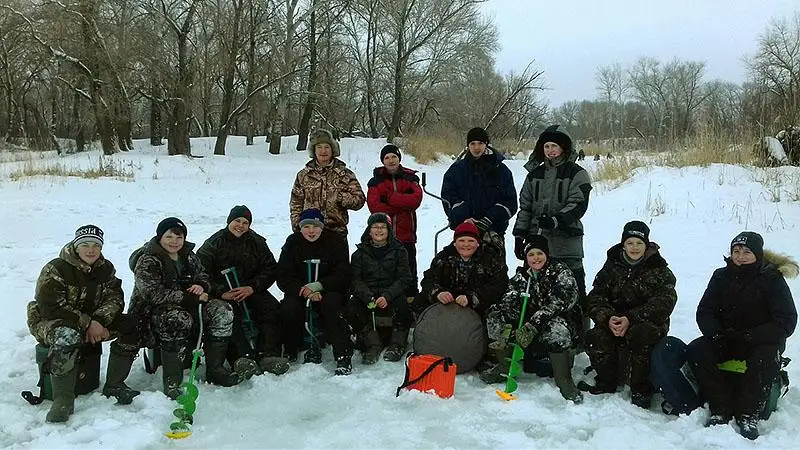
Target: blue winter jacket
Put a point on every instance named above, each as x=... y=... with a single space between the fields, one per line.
x=480 y=188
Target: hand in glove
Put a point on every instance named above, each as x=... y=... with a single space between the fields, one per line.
x=731 y=344
x=519 y=248
x=526 y=334
x=547 y=222
x=483 y=224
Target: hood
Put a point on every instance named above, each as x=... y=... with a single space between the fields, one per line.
x=70 y=255
x=152 y=247
x=537 y=156
x=366 y=241
x=785 y=265
x=491 y=153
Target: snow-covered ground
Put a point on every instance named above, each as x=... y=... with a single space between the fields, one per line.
x=693 y=213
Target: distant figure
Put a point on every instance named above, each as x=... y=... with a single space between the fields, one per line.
x=581 y=155
x=597 y=157
x=609 y=156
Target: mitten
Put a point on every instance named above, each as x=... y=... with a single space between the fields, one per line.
x=547 y=222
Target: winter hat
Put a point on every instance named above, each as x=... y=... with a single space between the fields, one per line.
x=537 y=241
x=467 y=229
x=168 y=224
x=88 y=233
x=637 y=229
x=240 y=211
x=477 y=134
x=312 y=216
x=751 y=240
x=321 y=136
x=379 y=217
x=553 y=134
x=390 y=148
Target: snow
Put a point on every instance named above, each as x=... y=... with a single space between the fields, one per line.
x=693 y=213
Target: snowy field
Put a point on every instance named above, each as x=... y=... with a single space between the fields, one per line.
x=693 y=213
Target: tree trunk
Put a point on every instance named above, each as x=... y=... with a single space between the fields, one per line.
x=308 y=108
x=156 y=127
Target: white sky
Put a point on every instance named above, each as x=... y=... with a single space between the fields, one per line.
x=569 y=39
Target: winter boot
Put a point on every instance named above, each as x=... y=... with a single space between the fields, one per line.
x=497 y=373
x=397 y=346
x=216 y=372
x=63 y=396
x=313 y=355
x=172 y=371
x=371 y=340
x=598 y=388
x=748 y=426
x=119 y=366
x=641 y=399
x=717 y=419
x=562 y=374
x=344 y=365
x=273 y=364
x=246 y=367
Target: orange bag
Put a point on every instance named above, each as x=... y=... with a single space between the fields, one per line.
x=429 y=372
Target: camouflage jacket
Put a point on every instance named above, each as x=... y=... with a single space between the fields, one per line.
x=71 y=290
x=249 y=254
x=483 y=279
x=553 y=292
x=333 y=189
x=644 y=292
x=158 y=282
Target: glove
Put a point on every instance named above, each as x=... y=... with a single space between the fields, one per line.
x=547 y=222
x=190 y=301
x=519 y=248
x=526 y=334
x=731 y=344
x=483 y=224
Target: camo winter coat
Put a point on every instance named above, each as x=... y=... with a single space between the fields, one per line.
x=71 y=293
x=333 y=189
x=249 y=254
x=644 y=292
x=158 y=281
x=483 y=279
x=553 y=300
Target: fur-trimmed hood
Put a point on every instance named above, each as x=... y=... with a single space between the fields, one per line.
x=785 y=264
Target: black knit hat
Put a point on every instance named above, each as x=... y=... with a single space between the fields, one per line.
x=553 y=134
x=168 y=224
x=88 y=233
x=751 y=240
x=477 y=134
x=311 y=216
x=240 y=211
x=379 y=217
x=637 y=229
x=390 y=148
x=537 y=241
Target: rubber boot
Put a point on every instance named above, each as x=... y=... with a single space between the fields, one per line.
x=397 y=345
x=216 y=372
x=172 y=372
x=63 y=396
x=372 y=346
x=562 y=374
x=119 y=366
x=499 y=372
x=275 y=365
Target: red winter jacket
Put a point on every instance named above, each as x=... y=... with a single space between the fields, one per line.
x=399 y=196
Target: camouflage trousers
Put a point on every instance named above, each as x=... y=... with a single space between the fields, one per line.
x=554 y=336
x=604 y=350
x=64 y=340
x=173 y=325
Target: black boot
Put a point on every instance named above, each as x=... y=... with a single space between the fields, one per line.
x=172 y=370
x=562 y=374
x=119 y=366
x=497 y=373
x=216 y=373
x=397 y=345
x=748 y=426
x=63 y=396
x=344 y=365
x=372 y=346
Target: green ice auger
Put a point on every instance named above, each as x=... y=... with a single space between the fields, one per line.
x=180 y=428
x=514 y=366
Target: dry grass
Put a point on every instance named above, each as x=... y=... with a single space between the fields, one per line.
x=427 y=147
x=106 y=168
x=617 y=171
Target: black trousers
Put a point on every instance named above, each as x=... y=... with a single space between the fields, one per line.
x=360 y=317
x=331 y=310
x=264 y=313
x=411 y=249
x=729 y=394
x=603 y=349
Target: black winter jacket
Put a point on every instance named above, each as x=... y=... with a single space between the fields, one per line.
x=334 y=270
x=249 y=254
x=380 y=271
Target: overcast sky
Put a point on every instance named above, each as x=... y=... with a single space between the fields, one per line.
x=570 y=39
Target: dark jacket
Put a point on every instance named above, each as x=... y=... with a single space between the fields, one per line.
x=558 y=188
x=483 y=279
x=480 y=188
x=334 y=268
x=249 y=254
x=380 y=272
x=398 y=196
x=160 y=281
x=753 y=299
x=644 y=292
x=70 y=290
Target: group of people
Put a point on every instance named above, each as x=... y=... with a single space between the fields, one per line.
x=747 y=311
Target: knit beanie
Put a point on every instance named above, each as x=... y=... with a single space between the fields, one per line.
x=390 y=148
x=751 y=240
x=537 y=241
x=637 y=229
x=467 y=229
x=88 y=233
x=477 y=134
x=240 y=211
x=168 y=224
x=379 y=217
x=312 y=216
